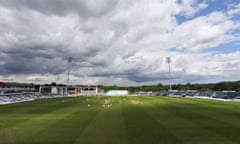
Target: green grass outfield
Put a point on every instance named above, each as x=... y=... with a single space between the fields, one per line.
x=130 y=120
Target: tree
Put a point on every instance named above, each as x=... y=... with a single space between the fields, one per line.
x=53 y=84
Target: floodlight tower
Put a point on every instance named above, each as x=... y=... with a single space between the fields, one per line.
x=168 y=59
x=68 y=72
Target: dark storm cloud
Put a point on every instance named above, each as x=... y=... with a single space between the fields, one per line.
x=29 y=60
x=44 y=59
x=32 y=52
x=84 y=8
x=108 y=39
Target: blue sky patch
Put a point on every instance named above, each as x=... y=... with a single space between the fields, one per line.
x=225 y=48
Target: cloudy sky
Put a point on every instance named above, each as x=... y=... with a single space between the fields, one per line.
x=122 y=42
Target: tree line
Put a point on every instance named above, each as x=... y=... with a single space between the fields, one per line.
x=221 y=86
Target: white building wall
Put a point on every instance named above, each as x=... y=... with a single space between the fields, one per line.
x=54 y=90
x=117 y=93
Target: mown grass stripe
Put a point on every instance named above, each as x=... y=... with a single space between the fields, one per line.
x=130 y=120
x=143 y=129
x=39 y=121
x=205 y=120
x=220 y=111
x=64 y=130
x=67 y=128
x=186 y=130
x=106 y=128
x=32 y=109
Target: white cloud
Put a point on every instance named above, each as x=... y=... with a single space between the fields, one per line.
x=206 y=32
x=191 y=7
x=235 y=9
x=118 y=45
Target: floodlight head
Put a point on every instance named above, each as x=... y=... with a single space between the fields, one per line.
x=70 y=59
x=168 y=60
